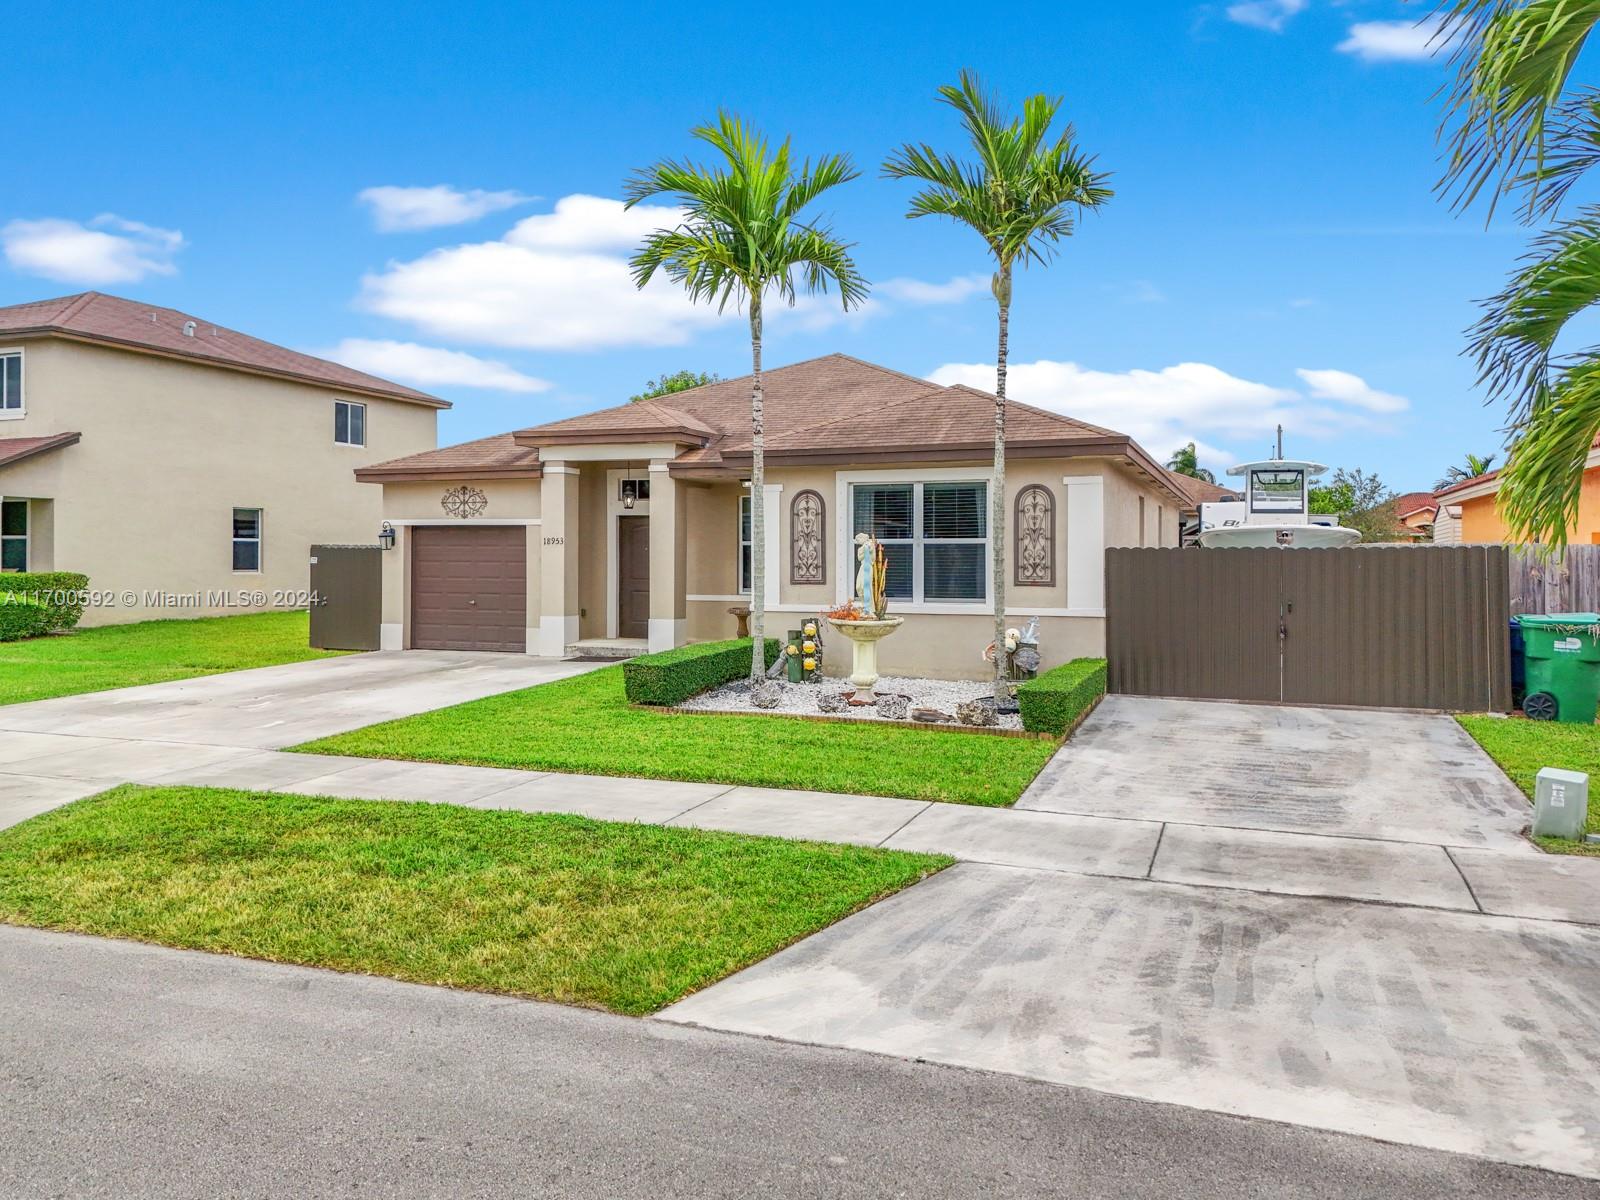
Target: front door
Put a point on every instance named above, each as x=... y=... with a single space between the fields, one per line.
x=633 y=577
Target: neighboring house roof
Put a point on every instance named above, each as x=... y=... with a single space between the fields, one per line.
x=487 y=458
x=1200 y=491
x=1414 y=502
x=830 y=409
x=14 y=450
x=113 y=321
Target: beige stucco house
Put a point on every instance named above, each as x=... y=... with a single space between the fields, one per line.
x=186 y=468
x=629 y=528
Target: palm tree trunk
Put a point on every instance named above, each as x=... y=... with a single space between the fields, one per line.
x=997 y=498
x=758 y=474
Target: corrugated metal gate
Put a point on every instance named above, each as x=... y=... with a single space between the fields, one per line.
x=1386 y=627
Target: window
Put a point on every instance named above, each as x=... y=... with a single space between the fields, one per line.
x=1277 y=491
x=349 y=423
x=745 y=544
x=14 y=535
x=11 y=383
x=635 y=489
x=1141 y=521
x=935 y=537
x=247 y=539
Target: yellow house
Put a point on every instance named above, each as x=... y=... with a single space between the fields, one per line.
x=1470 y=511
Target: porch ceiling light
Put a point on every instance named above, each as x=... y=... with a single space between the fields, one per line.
x=630 y=493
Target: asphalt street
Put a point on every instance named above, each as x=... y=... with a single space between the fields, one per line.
x=129 y=1070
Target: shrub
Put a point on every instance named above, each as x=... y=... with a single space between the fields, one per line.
x=672 y=676
x=33 y=603
x=1052 y=702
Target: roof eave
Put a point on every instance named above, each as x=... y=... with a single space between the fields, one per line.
x=95 y=339
x=58 y=442
x=442 y=474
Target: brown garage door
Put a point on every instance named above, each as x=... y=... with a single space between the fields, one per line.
x=469 y=587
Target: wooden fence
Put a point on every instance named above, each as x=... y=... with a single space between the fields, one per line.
x=1569 y=582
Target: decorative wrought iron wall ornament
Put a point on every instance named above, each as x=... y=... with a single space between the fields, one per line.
x=464 y=502
x=1035 y=553
x=808 y=542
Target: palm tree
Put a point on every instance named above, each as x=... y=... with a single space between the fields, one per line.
x=741 y=236
x=1475 y=465
x=1021 y=196
x=1187 y=462
x=1523 y=128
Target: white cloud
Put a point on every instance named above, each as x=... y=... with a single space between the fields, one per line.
x=400 y=209
x=106 y=250
x=560 y=281
x=431 y=366
x=1345 y=388
x=582 y=222
x=1395 y=41
x=1162 y=410
x=918 y=291
x=1265 y=14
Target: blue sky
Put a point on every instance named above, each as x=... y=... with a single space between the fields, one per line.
x=1274 y=247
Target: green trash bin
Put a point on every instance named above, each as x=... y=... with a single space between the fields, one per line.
x=1562 y=653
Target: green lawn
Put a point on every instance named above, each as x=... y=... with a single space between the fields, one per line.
x=116 y=656
x=619 y=916
x=585 y=725
x=1523 y=747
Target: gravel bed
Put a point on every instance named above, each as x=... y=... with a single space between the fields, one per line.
x=801 y=698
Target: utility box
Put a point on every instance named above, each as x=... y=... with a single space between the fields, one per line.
x=1560 y=803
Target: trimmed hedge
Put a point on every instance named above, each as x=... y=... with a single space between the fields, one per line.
x=672 y=676
x=33 y=603
x=1052 y=702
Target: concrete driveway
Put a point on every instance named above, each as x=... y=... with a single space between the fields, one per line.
x=55 y=751
x=1317 y=937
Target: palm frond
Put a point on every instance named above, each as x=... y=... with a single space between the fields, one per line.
x=1515 y=340
x=1513 y=60
x=1543 y=478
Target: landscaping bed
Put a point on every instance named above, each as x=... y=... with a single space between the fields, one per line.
x=800 y=699
x=118 y=656
x=1523 y=747
x=609 y=915
x=586 y=725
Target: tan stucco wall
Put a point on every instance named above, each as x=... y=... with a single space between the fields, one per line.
x=145 y=501
x=507 y=499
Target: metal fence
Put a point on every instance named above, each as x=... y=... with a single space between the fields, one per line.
x=1419 y=627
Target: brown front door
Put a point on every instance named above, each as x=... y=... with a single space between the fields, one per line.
x=633 y=577
x=469 y=587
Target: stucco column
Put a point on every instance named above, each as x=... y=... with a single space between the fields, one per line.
x=669 y=557
x=558 y=558
x=1086 y=544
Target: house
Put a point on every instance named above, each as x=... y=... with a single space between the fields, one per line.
x=1469 y=511
x=1415 y=512
x=630 y=527
x=1198 y=492
x=186 y=468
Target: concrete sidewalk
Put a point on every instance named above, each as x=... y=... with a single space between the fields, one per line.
x=39 y=771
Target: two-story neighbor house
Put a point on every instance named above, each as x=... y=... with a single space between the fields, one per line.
x=630 y=527
x=179 y=464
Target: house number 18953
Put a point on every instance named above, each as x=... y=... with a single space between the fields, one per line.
x=555 y=541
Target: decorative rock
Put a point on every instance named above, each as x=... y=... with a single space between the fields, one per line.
x=893 y=708
x=766 y=694
x=832 y=702
x=976 y=712
x=930 y=716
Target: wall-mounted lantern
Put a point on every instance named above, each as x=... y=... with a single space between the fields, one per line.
x=386 y=536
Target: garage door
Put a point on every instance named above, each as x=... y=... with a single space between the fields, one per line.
x=469 y=587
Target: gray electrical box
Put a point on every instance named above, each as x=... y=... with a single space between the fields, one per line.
x=1560 y=803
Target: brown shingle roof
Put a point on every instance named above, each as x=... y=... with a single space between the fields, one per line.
x=16 y=449
x=111 y=320
x=486 y=458
x=830 y=409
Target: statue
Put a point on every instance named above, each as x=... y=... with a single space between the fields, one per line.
x=866 y=557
